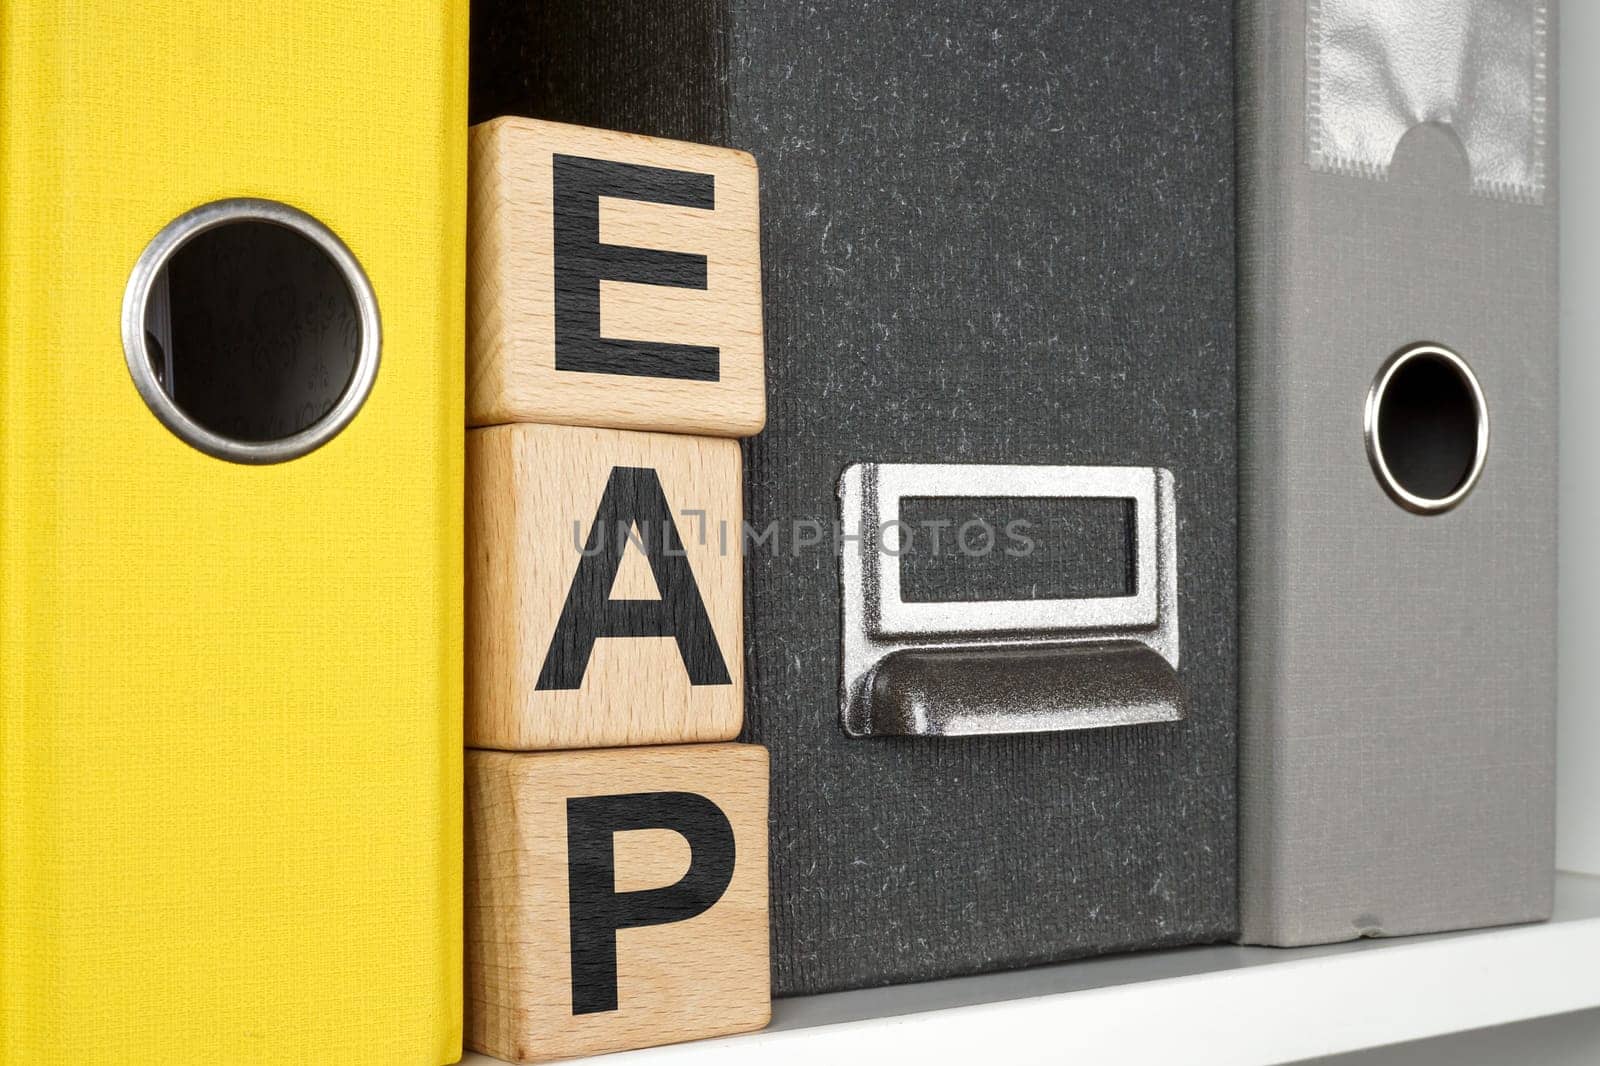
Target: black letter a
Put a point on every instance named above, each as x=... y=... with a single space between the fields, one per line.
x=633 y=498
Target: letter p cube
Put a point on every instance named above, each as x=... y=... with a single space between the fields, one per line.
x=618 y=898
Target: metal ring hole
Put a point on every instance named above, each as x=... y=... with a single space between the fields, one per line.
x=251 y=331
x=1427 y=428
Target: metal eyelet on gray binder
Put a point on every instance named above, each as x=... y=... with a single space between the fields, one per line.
x=1004 y=666
x=1426 y=427
x=148 y=312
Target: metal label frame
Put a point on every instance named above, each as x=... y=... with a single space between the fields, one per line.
x=877 y=622
x=891 y=615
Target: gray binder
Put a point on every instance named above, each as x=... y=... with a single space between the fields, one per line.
x=999 y=279
x=1398 y=466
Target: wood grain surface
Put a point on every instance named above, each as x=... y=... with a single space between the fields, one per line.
x=576 y=533
x=686 y=895
x=613 y=280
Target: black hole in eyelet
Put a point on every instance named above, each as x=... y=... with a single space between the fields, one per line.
x=252 y=330
x=1428 y=426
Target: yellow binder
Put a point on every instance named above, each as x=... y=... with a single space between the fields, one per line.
x=230 y=676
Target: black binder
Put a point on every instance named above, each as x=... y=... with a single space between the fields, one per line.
x=998 y=251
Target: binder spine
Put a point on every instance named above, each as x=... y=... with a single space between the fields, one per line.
x=1262 y=442
x=1396 y=675
x=451 y=390
x=637 y=66
x=26 y=161
x=230 y=718
x=884 y=133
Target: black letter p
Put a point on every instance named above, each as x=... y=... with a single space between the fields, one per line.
x=598 y=910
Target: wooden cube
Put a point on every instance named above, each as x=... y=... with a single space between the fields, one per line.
x=612 y=280
x=604 y=593
x=615 y=899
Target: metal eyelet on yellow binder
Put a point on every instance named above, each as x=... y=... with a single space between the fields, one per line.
x=305 y=281
x=935 y=667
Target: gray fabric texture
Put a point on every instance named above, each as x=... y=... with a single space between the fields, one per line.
x=996 y=232
x=1397 y=671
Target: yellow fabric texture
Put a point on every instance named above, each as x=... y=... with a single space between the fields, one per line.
x=230 y=736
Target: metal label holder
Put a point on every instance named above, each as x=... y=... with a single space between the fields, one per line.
x=1004 y=666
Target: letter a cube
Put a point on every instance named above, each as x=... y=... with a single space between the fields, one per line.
x=604 y=588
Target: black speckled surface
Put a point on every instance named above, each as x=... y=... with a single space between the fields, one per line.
x=993 y=232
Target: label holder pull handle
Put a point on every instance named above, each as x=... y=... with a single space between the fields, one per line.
x=999 y=667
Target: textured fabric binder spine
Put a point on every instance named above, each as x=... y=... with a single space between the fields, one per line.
x=965 y=213
x=1262 y=470
x=632 y=65
x=26 y=164
x=230 y=694
x=1397 y=201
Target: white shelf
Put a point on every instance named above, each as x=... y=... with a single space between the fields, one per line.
x=1229 y=1006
